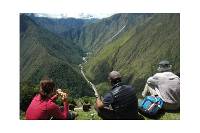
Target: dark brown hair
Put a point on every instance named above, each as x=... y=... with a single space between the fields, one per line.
x=46 y=87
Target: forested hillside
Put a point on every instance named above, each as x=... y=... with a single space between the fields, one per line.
x=132 y=44
x=44 y=54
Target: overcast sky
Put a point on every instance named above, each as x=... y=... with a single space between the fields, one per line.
x=74 y=15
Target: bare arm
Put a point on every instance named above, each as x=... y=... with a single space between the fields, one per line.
x=99 y=103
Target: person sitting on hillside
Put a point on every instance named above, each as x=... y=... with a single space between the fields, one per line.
x=166 y=85
x=120 y=102
x=43 y=107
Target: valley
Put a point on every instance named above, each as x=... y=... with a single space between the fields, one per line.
x=78 y=54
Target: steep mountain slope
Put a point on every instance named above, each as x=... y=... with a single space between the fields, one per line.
x=91 y=34
x=130 y=43
x=137 y=50
x=43 y=53
x=94 y=36
x=62 y=26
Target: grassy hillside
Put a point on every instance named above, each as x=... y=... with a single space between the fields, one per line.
x=43 y=53
x=137 y=51
x=95 y=36
x=132 y=44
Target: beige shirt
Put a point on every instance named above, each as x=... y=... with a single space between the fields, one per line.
x=168 y=85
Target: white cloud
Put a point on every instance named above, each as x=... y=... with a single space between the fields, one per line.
x=74 y=15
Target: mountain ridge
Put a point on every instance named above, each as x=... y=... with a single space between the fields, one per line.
x=130 y=43
x=137 y=51
x=43 y=53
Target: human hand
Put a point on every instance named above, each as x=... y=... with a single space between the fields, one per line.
x=64 y=96
x=99 y=103
x=59 y=92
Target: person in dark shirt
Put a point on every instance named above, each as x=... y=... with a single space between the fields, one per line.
x=120 y=103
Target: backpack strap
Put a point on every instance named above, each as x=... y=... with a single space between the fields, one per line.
x=159 y=101
x=158 y=92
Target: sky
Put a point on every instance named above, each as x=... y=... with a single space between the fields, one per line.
x=74 y=15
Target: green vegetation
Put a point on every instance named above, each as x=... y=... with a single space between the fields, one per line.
x=64 y=26
x=137 y=51
x=171 y=116
x=92 y=114
x=44 y=54
x=27 y=92
x=54 y=48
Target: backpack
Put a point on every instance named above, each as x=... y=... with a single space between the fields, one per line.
x=151 y=105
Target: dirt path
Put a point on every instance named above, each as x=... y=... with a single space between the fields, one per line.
x=92 y=85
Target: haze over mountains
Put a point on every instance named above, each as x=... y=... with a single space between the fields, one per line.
x=133 y=44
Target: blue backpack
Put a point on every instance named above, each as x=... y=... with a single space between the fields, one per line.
x=151 y=105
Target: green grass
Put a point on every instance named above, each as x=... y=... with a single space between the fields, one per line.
x=90 y=115
x=22 y=115
x=137 y=51
x=166 y=116
x=171 y=116
x=87 y=116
